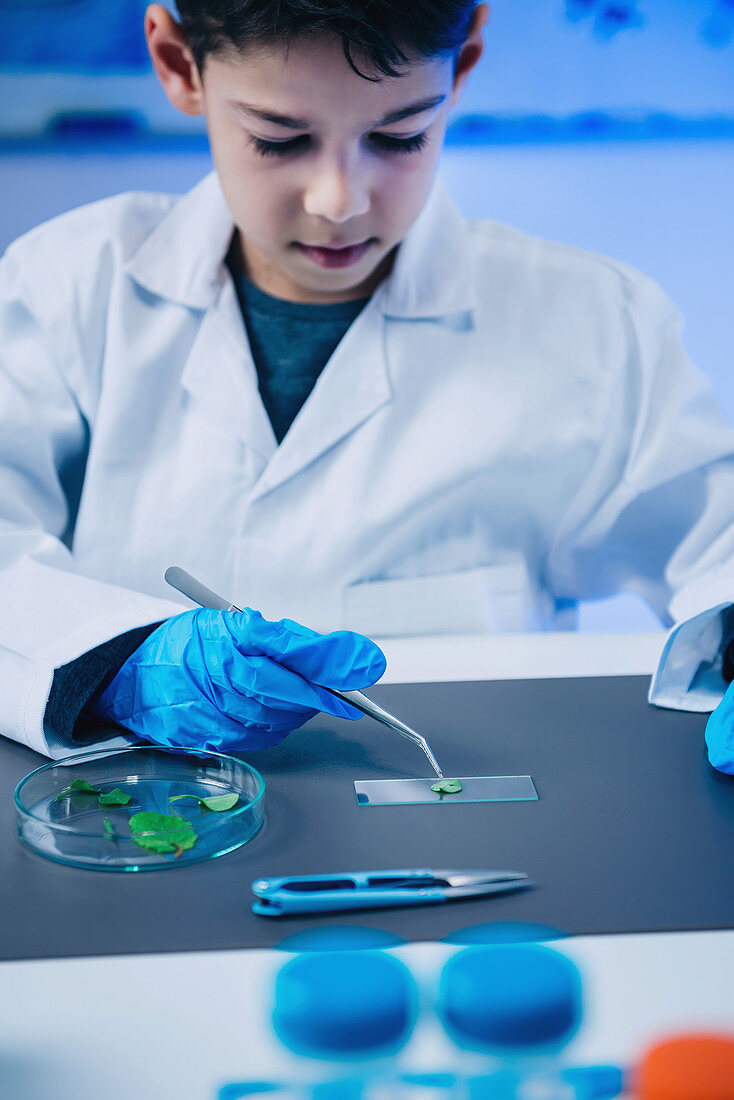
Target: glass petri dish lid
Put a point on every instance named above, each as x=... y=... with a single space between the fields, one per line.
x=120 y=824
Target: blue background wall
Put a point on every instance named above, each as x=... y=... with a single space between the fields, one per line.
x=609 y=125
x=543 y=57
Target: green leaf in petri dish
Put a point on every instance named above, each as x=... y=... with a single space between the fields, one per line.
x=114 y=798
x=162 y=833
x=77 y=786
x=216 y=802
x=220 y=802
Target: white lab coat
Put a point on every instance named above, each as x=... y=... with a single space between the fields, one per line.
x=509 y=426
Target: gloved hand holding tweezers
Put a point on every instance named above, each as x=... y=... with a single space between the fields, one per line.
x=232 y=680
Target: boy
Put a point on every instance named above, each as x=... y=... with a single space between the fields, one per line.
x=320 y=389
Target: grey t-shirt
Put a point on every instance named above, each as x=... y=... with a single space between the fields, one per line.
x=291 y=342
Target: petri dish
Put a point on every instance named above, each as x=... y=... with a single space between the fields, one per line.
x=76 y=830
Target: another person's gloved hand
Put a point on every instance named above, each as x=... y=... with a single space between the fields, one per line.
x=229 y=680
x=720 y=734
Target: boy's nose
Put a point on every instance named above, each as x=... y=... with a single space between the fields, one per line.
x=336 y=193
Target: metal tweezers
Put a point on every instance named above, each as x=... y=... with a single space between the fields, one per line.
x=183 y=582
x=334 y=893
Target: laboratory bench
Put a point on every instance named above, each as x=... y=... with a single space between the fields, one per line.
x=109 y=978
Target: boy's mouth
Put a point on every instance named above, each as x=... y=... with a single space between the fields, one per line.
x=335 y=257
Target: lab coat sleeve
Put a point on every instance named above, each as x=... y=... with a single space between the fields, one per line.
x=655 y=514
x=50 y=614
x=79 y=683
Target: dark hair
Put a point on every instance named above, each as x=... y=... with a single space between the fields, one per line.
x=387 y=32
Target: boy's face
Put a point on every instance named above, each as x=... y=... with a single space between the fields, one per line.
x=327 y=169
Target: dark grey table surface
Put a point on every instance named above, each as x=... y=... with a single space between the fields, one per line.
x=633 y=830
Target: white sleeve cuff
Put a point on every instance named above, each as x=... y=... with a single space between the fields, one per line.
x=27 y=678
x=689 y=674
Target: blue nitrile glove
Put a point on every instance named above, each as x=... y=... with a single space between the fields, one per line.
x=720 y=734
x=232 y=680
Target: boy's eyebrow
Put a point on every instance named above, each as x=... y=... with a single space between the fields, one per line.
x=302 y=124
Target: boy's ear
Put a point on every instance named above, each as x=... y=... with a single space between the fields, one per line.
x=470 y=52
x=173 y=61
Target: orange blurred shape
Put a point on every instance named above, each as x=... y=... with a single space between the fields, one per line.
x=687 y=1067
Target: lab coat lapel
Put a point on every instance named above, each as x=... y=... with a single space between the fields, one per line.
x=182 y=261
x=220 y=375
x=353 y=385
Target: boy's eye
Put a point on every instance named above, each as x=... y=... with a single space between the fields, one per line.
x=384 y=141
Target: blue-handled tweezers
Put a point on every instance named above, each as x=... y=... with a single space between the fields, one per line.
x=285 y=897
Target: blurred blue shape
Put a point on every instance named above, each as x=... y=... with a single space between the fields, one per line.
x=595 y=1082
x=510 y=999
x=346 y=1004
x=72 y=35
x=350 y=937
x=609 y=17
x=503 y=932
x=586 y=127
x=616 y=17
x=718 y=29
x=82 y=125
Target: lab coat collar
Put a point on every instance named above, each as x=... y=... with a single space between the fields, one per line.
x=433 y=273
x=183 y=258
